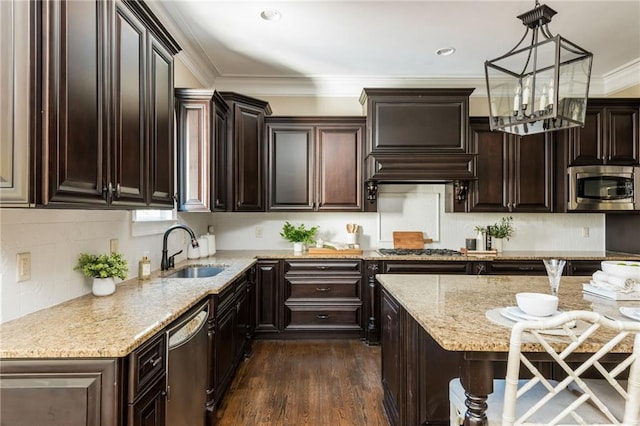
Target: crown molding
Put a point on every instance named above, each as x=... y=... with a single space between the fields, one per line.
x=628 y=75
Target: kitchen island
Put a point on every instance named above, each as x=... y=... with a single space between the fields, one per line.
x=435 y=327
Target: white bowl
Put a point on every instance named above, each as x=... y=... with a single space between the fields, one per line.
x=622 y=268
x=537 y=304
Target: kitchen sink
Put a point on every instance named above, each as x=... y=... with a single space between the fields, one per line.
x=197 y=272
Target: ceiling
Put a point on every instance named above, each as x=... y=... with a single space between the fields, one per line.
x=335 y=48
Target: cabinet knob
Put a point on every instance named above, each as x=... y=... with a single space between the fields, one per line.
x=117 y=190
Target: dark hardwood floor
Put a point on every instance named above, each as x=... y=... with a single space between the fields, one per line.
x=318 y=382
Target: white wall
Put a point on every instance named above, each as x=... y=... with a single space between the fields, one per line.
x=55 y=238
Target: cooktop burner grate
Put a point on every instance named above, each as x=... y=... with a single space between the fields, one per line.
x=419 y=252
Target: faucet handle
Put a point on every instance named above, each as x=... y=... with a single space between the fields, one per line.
x=172 y=262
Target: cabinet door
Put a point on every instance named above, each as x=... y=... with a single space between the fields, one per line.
x=150 y=409
x=586 y=144
x=531 y=176
x=128 y=171
x=225 y=350
x=268 y=299
x=622 y=133
x=392 y=366
x=248 y=158
x=60 y=392
x=221 y=178
x=242 y=323
x=193 y=118
x=490 y=193
x=161 y=137
x=291 y=165
x=17 y=45
x=339 y=168
x=74 y=87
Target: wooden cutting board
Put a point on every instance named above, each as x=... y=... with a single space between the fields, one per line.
x=409 y=240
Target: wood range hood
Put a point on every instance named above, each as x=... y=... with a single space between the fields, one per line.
x=417 y=136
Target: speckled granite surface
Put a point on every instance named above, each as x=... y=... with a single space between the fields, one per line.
x=451 y=308
x=113 y=326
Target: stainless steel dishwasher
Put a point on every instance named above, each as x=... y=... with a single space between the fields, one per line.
x=187 y=369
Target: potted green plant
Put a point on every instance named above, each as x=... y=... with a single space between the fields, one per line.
x=501 y=230
x=102 y=268
x=298 y=235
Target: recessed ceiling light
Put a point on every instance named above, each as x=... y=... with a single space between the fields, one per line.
x=445 y=51
x=270 y=15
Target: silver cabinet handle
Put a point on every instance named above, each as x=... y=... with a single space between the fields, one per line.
x=323 y=289
x=322 y=316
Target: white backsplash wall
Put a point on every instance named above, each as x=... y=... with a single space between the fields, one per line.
x=55 y=238
x=420 y=209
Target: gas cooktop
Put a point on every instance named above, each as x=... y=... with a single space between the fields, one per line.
x=418 y=252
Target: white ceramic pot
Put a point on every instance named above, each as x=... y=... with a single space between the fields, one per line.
x=298 y=247
x=497 y=243
x=103 y=286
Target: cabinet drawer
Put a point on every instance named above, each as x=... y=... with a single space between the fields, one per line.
x=323 y=288
x=146 y=364
x=328 y=266
x=583 y=267
x=521 y=267
x=426 y=267
x=329 y=317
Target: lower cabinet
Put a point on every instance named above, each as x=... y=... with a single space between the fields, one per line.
x=82 y=392
x=70 y=392
x=415 y=370
x=230 y=331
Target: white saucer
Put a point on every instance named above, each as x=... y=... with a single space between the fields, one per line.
x=516 y=314
x=633 y=313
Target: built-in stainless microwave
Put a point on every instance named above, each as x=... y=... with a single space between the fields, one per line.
x=604 y=188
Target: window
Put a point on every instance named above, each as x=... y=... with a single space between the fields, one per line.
x=153 y=215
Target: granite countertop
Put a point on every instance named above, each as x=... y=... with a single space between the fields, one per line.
x=452 y=308
x=113 y=326
x=506 y=255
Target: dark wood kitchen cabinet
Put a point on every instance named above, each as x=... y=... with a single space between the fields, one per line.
x=315 y=164
x=393 y=368
x=515 y=174
x=322 y=298
x=129 y=391
x=107 y=102
x=610 y=134
x=230 y=331
x=268 y=317
x=246 y=136
x=201 y=122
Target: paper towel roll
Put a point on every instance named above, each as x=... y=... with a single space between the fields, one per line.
x=203 y=242
x=211 y=241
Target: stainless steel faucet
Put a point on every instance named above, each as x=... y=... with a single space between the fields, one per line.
x=167 y=262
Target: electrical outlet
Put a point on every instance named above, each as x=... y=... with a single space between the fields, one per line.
x=258 y=231
x=113 y=245
x=23 y=267
x=585 y=232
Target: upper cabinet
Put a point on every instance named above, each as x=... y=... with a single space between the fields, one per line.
x=107 y=103
x=246 y=124
x=609 y=136
x=201 y=117
x=515 y=174
x=315 y=163
x=417 y=135
x=16 y=93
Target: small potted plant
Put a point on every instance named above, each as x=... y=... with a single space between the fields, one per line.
x=299 y=235
x=103 y=268
x=501 y=230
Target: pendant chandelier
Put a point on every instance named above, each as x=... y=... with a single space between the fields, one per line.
x=540 y=87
